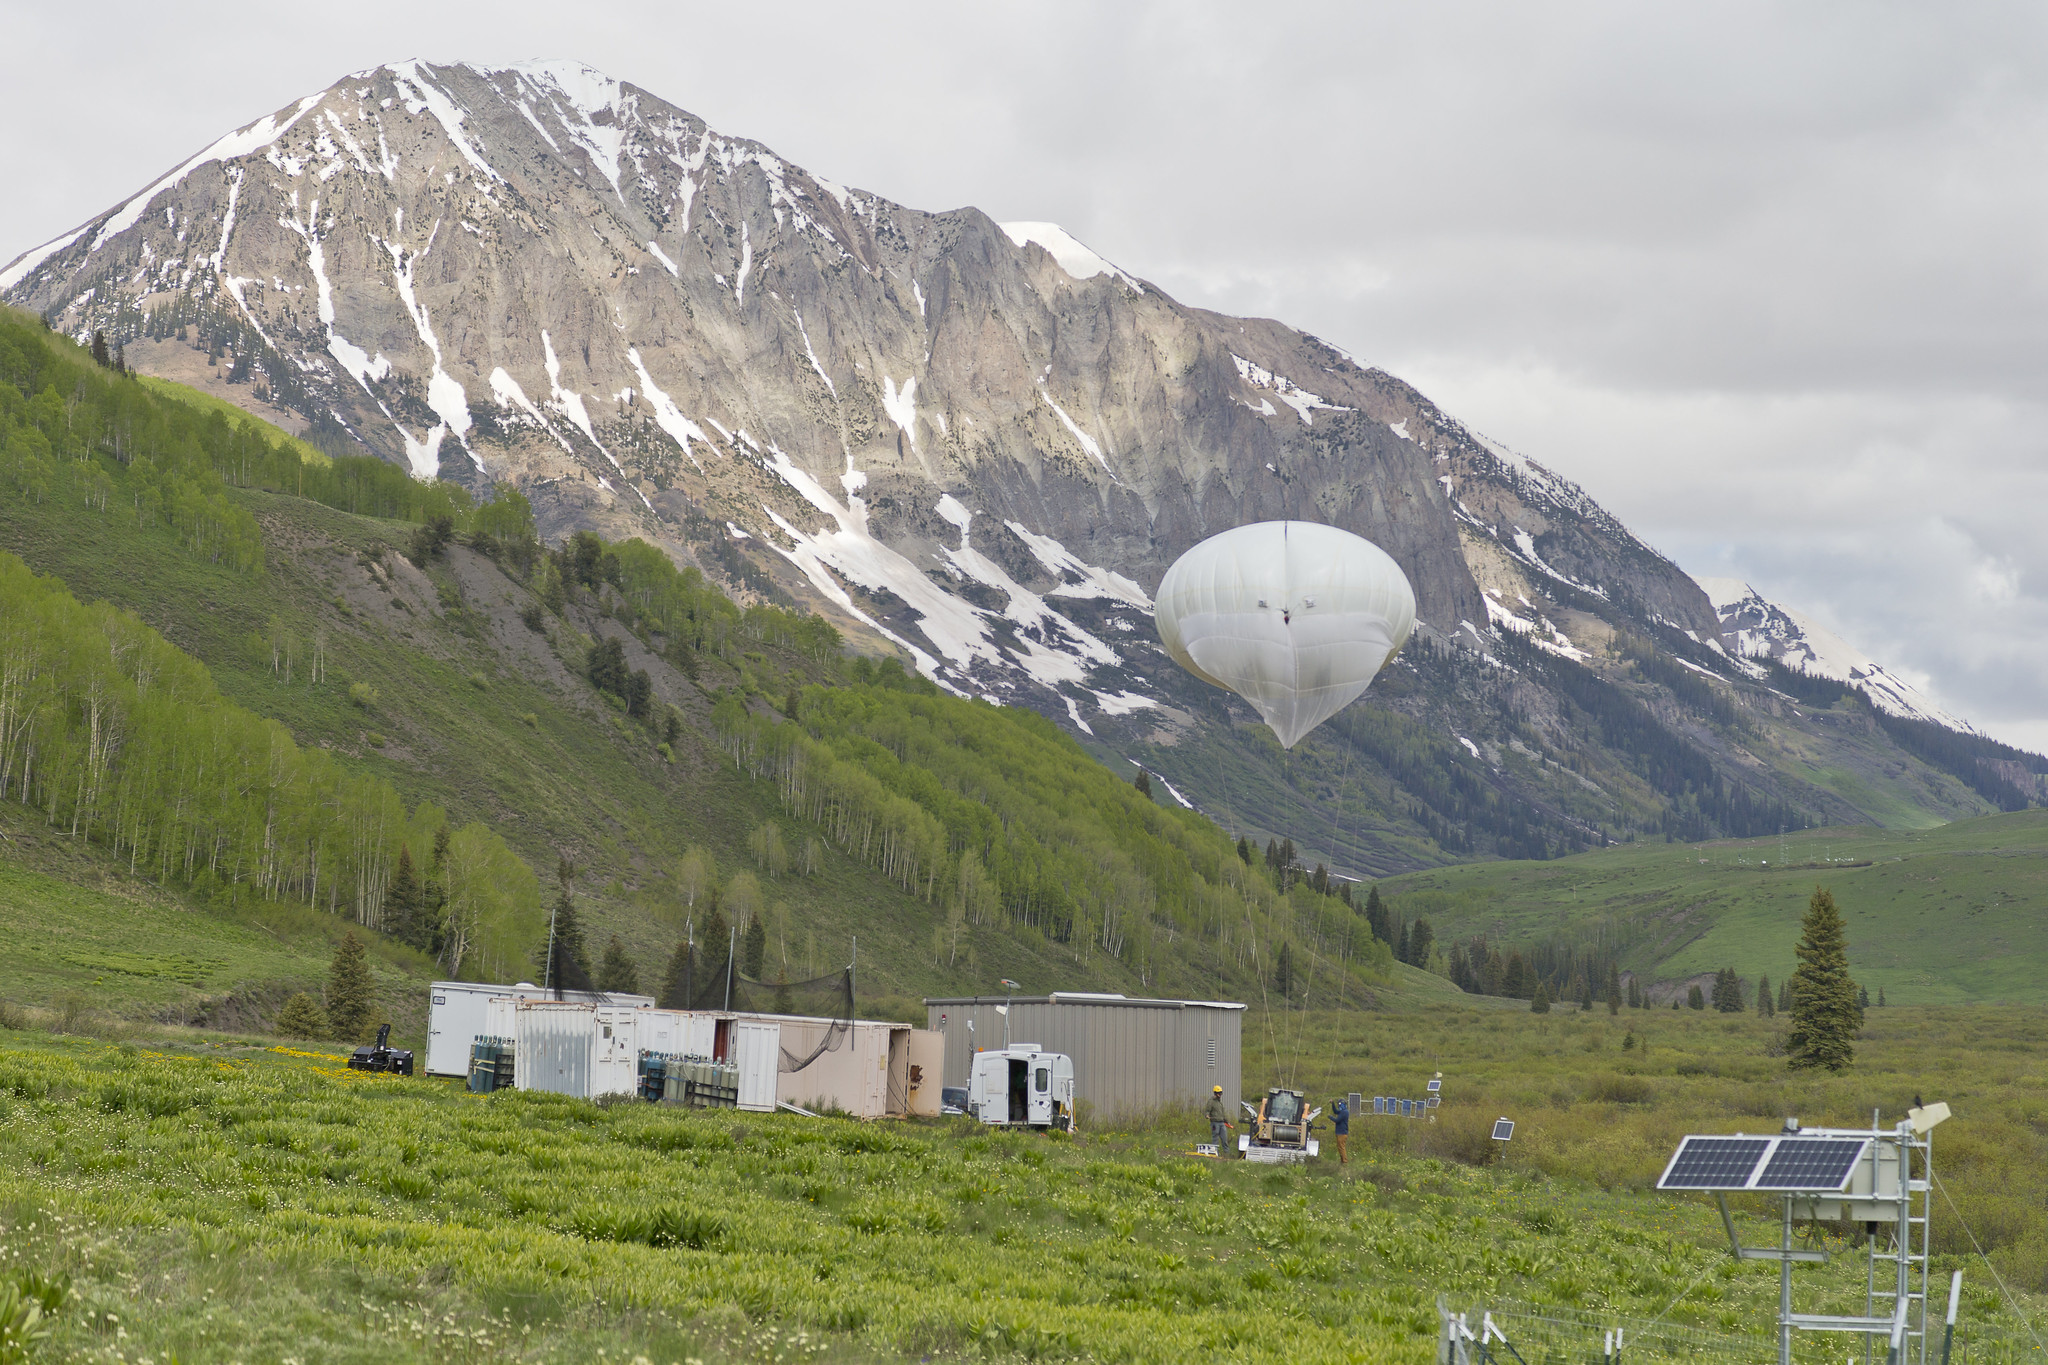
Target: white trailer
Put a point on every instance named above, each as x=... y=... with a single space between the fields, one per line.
x=567 y=1048
x=459 y=1013
x=1022 y=1086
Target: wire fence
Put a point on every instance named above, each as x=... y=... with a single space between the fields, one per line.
x=1510 y=1333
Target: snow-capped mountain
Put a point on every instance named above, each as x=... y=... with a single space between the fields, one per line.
x=1756 y=627
x=979 y=443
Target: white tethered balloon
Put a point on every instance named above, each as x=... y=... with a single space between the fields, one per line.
x=1295 y=617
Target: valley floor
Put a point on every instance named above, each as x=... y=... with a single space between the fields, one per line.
x=215 y=1198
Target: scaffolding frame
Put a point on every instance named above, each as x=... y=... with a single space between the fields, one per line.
x=1882 y=1190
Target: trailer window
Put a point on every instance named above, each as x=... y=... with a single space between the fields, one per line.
x=1044 y=1079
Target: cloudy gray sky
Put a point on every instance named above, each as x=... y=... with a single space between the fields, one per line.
x=1767 y=280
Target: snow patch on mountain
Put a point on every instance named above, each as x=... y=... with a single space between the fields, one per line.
x=1093 y=581
x=1072 y=257
x=428 y=98
x=1761 y=628
x=900 y=405
x=1088 y=443
x=1286 y=390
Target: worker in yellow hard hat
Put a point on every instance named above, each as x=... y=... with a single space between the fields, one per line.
x=1219 y=1119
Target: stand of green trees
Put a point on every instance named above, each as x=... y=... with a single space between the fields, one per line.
x=117 y=736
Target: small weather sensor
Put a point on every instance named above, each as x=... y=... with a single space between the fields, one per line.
x=1503 y=1129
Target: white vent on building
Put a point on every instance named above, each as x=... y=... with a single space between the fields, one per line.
x=1212 y=1052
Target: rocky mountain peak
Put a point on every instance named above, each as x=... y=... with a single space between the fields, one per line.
x=978 y=443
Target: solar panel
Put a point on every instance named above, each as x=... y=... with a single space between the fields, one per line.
x=1407 y=1109
x=1379 y=1104
x=1435 y=1086
x=1503 y=1129
x=1810 y=1164
x=1714 y=1163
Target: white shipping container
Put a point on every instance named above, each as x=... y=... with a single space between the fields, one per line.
x=500 y=1016
x=616 y=1055
x=458 y=1014
x=567 y=1048
x=554 y=1046
x=678 y=1033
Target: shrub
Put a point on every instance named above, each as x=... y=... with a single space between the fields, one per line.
x=362 y=694
x=302 y=1017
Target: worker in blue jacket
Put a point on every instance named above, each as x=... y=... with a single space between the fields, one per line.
x=1340 y=1122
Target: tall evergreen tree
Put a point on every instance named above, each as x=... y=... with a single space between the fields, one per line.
x=1515 y=982
x=1376 y=917
x=1785 y=996
x=675 y=982
x=1283 y=971
x=1727 y=997
x=1421 y=943
x=1585 y=993
x=351 y=991
x=1401 y=947
x=754 y=954
x=563 y=969
x=405 y=903
x=1244 y=850
x=1540 y=1003
x=714 y=959
x=1613 y=989
x=1143 y=782
x=1824 y=1013
x=1695 y=998
x=1763 y=997
x=616 y=974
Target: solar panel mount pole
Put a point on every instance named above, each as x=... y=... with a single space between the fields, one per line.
x=1785 y=1287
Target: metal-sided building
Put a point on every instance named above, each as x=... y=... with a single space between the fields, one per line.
x=1131 y=1056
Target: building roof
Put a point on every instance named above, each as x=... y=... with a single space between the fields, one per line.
x=1084 y=998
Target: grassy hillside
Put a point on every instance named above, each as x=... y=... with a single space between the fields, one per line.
x=88 y=939
x=1937 y=916
x=819 y=793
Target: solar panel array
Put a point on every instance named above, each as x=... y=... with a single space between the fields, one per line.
x=1785 y=1164
x=1714 y=1163
x=1810 y=1164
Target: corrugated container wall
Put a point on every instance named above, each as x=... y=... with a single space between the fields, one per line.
x=1132 y=1057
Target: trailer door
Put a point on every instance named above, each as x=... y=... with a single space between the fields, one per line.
x=1041 y=1091
x=757 y=1049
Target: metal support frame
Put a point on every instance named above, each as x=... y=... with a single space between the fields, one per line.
x=1896 y=1312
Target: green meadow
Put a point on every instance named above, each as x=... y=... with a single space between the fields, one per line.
x=1948 y=915
x=212 y=1198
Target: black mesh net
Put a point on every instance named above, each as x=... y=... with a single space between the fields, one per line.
x=707 y=979
x=826 y=999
